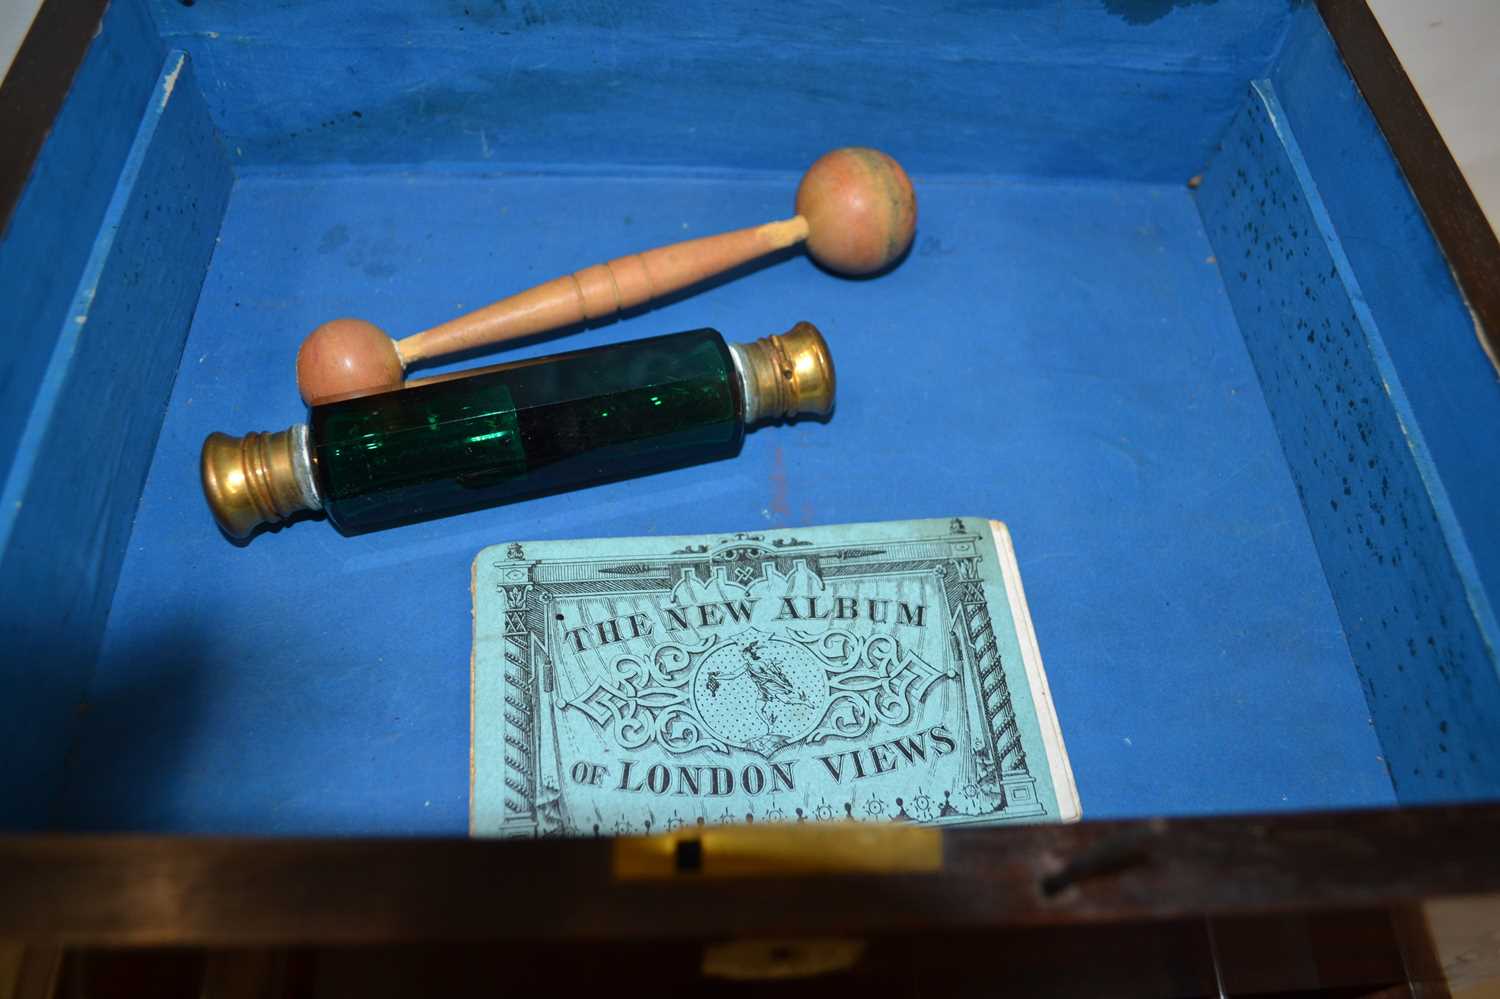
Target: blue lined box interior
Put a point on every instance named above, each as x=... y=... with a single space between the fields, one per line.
x=1171 y=313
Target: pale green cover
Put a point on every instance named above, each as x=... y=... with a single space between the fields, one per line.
x=866 y=672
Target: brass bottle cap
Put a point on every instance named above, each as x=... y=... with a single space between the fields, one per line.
x=260 y=478
x=787 y=375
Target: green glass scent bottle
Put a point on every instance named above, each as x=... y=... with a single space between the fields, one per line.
x=456 y=442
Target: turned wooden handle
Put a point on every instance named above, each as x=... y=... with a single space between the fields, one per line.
x=602 y=290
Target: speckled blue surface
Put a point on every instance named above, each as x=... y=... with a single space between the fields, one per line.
x=1424 y=323
x=1061 y=356
x=1406 y=584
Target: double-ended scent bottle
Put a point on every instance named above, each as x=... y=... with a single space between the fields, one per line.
x=456 y=442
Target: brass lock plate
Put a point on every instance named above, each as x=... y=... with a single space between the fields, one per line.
x=779 y=850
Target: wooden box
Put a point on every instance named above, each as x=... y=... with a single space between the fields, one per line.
x=1173 y=311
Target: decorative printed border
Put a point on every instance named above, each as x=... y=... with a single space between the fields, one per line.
x=530 y=587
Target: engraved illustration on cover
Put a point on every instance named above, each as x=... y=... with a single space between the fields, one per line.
x=866 y=673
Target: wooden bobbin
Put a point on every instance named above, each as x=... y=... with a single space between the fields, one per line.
x=856 y=212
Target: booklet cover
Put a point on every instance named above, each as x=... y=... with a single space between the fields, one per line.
x=863 y=672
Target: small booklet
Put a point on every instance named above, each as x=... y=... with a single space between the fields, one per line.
x=853 y=673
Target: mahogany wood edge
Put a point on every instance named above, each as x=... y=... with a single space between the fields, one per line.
x=1413 y=934
x=1339 y=954
x=1453 y=213
x=135 y=890
x=35 y=87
